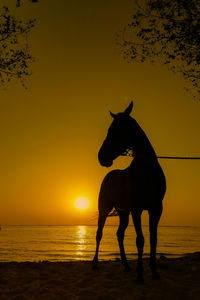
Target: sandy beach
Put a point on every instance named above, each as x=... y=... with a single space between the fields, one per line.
x=180 y=279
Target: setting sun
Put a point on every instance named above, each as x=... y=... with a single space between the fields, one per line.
x=81 y=203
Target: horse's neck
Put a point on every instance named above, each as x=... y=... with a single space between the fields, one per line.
x=142 y=147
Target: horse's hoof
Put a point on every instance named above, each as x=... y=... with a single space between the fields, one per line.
x=94 y=266
x=156 y=276
x=127 y=269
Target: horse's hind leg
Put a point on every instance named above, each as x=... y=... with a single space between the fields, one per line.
x=154 y=217
x=140 y=243
x=124 y=219
x=101 y=221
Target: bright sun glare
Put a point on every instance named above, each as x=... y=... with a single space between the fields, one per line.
x=81 y=203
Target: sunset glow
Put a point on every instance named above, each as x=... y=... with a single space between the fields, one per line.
x=52 y=131
x=81 y=203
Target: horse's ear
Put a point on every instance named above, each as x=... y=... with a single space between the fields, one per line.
x=129 y=108
x=112 y=115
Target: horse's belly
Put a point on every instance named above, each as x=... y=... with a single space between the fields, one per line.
x=130 y=191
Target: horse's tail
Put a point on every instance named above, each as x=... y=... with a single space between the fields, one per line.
x=113 y=213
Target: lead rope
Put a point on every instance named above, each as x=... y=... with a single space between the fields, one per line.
x=129 y=152
x=178 y=157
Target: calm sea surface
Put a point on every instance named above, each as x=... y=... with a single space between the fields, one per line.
x=62 y=243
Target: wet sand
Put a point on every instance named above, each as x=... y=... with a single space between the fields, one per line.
x=180 y=279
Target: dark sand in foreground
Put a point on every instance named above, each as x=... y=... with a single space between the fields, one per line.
x=180 y=279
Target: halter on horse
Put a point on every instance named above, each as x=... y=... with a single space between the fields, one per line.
x=139 y=187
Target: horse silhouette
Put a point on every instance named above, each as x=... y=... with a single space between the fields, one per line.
x=139 y=187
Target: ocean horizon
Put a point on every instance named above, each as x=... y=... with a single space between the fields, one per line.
x=77 y=242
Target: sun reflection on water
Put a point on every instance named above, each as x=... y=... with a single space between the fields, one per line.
x=81 y=239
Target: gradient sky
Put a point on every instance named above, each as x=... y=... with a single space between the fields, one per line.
x=51 y=132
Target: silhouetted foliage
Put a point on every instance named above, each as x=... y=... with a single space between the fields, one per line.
x=15 y=56
x=166 y=31
x=19 y=2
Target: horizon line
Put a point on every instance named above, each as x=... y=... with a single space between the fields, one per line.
x=116 y=225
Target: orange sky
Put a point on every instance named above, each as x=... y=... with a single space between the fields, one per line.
x=51 y=132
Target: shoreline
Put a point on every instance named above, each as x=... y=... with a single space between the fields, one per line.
x=159 y=256
x=164 y=257
x=180 y=279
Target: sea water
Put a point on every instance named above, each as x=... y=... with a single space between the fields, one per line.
x=64 y=243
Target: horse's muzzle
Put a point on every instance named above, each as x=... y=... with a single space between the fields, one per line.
x=104 y=161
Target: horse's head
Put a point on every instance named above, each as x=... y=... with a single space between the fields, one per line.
x=119 y=137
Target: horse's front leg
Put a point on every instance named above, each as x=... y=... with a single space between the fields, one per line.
x=154 y=217
x=124 y=219
x=101 y=221
x=140 y=244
